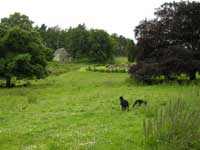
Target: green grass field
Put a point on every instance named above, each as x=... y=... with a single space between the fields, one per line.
x=78 y=110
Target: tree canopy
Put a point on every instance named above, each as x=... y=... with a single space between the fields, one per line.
x=78 y=41
x=18 y=20
x=121 y=44
x=22 y=53
x=170 y=43
x=100 y=46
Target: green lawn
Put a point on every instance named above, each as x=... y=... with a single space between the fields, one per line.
x=79 y=110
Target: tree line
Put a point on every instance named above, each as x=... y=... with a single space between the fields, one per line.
x=25 y=49
x=96 y=45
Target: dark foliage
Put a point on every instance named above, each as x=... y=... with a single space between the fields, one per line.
x=170 y=43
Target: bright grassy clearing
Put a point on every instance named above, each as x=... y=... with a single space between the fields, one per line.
x=121 y=60
x=80 y=110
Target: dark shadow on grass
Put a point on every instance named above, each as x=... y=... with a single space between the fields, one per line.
x=15 y=86
x=134 y=82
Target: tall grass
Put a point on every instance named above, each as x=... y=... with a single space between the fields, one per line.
x=174 y=127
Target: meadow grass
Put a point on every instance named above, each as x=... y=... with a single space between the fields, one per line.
x=78 y=110
x=174 y=127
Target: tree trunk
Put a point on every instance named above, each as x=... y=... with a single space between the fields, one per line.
x=193 y=75
x=8 y=82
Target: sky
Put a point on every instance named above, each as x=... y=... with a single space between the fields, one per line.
x=114 y=16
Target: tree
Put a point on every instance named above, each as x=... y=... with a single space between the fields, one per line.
x=132 y=51
x=3 y=30
x=51 y=36
x=100 y=46
x=78 y=41
x=22 y=55
x=170 y=43
x=120 y=44
x=18 y=20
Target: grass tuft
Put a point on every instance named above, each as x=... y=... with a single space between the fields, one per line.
x=176 y=126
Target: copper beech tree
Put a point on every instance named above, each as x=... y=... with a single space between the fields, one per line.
x=169 y=44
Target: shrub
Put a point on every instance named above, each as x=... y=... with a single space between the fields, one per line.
x=174 y=127
x=109 y=68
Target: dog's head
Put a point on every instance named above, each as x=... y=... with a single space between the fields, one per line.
x=121 y=98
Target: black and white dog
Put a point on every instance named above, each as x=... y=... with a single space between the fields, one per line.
x=139 y=102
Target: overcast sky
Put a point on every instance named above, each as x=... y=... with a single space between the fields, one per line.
x=114 y=16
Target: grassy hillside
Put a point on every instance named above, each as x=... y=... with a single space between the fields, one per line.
x=78 y=110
